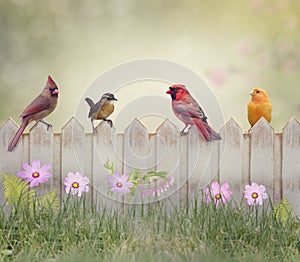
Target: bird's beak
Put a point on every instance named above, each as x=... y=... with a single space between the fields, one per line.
x=115 y=99
x=169 y=92
x=251 y=94
x=55 y=92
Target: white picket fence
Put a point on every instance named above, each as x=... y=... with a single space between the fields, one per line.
x=262 y=156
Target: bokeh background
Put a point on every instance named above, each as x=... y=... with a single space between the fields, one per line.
x=235 y=46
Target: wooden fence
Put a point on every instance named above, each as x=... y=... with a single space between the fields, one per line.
x=239 y=158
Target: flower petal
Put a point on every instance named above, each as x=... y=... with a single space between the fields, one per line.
x=215 y=187
x=27 y=167
x=45 y=168
x=36 y=164
x=23 y=174
x=124 y=177
x=34 y=183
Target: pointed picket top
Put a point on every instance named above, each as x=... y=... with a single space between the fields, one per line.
x=293 y=122
x=137 y=136
x=261 y=132
x=167 y=124
x=7 y=132
x=231 y=124
x=262 y=123
x=137 y=144
x=72 y=133
x=168 y=131
x=135 y=124
x=72 y=123
x=9 y=123
x=291 y=133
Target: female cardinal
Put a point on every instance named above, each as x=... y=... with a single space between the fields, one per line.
x=39 y=108
x=259 y=106
x=102 y=109
x=189 y=112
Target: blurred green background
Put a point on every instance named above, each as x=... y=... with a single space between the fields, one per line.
x=234 y=45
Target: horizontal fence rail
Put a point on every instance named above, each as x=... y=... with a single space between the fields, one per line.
x=260 y=155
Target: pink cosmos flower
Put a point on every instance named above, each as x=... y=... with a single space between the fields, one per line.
x=35 y=174
x=255 y=194
x=217 y=193
x=76 y=183
x=119 y=183
x=159 y=190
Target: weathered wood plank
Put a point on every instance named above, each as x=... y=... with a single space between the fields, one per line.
x=291 y=163
x=10 y=162
x=57 y=174
x=261 y=157
x=107 y=146
x=137 y=154
x=41 y=147
x=76 y=154
x=202 y=164
x=231 y=158
x=277 y=176
x=169 y=157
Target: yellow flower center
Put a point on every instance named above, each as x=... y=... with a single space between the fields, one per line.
x=218 y=196
x=35 y=174
x=254 y=195
x=75 y=184
x=119 y=184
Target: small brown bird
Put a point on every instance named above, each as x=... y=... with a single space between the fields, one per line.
x=259 y=106
x=39 y=108
x=102 y=109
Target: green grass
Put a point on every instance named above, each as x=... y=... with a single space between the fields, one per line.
x=78 y=233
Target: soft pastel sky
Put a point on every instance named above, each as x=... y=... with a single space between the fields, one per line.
x=234 y=47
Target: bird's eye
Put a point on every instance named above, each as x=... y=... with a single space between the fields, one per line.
x=257 y=92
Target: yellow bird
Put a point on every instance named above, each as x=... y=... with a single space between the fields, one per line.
x=259 y=106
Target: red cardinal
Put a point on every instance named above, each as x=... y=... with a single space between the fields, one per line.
x=39 y=108
x=189 y=112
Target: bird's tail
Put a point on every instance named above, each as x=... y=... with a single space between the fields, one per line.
x=206 y=132
x=90 y=102
x=16 y=138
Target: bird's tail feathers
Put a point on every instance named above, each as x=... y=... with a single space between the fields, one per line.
x=17 y=136
x=90 y=102
x=206 y=132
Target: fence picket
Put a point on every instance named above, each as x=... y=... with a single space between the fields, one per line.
x=75 y=151
x=231 y=157
x=169 y=156
x=106 y=147
x=137 y=153
x=291 y=163
x=261 y=156
x=200 y=172
x=41 y=147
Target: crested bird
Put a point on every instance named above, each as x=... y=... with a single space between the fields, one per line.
x=189 y=112
x=39 y=108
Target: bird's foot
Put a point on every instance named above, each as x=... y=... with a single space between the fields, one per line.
x=48 y=125
x=109 y=121
x=183 y=131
